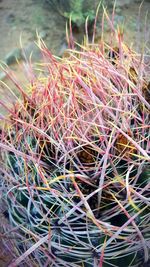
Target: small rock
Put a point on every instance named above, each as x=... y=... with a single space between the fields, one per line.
x=13 y=56
x=118 y=10
x=2 y=75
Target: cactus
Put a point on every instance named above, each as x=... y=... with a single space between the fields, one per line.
x=75 y=161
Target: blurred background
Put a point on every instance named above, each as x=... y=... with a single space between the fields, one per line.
x=21 y=20
x=48 y=17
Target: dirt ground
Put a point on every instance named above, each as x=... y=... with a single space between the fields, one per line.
x=19 y=21
x=22 y=19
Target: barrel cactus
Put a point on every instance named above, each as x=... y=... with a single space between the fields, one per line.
x=75 y=160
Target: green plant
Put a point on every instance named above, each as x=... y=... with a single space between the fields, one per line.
x=76 y=10
x=77 y=15
x=75 y=160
